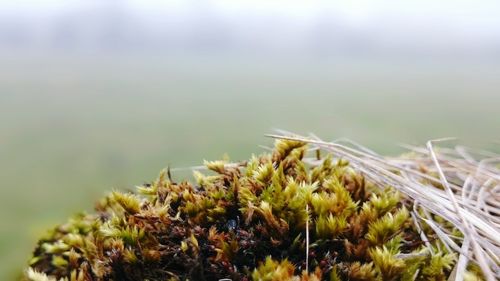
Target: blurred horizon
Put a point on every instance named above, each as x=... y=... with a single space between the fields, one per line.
x=96 y=95
x=317 y=29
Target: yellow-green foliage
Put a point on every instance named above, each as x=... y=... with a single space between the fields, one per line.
x=271 y=270
x=245 y=221
x=387 y=264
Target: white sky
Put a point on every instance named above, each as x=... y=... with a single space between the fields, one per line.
x=475 y=18
x=357 y=10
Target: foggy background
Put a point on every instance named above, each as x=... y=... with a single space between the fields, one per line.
x=96 y=95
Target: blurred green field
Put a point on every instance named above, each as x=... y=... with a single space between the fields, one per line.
x=72 y=127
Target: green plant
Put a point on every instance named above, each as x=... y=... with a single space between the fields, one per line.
x=255 y=220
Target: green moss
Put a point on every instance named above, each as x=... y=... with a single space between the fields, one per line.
x=245 y=222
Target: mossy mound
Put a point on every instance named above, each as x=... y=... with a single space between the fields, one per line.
x=274 y=217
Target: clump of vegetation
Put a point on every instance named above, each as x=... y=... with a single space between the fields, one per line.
x=274 y=217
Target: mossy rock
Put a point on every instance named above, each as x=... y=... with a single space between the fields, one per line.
x=273 y=217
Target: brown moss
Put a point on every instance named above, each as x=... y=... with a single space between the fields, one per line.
x=245 y=222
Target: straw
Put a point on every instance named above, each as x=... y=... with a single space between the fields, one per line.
x=460 y=185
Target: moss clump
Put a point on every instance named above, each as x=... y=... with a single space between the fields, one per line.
x=246 y=222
